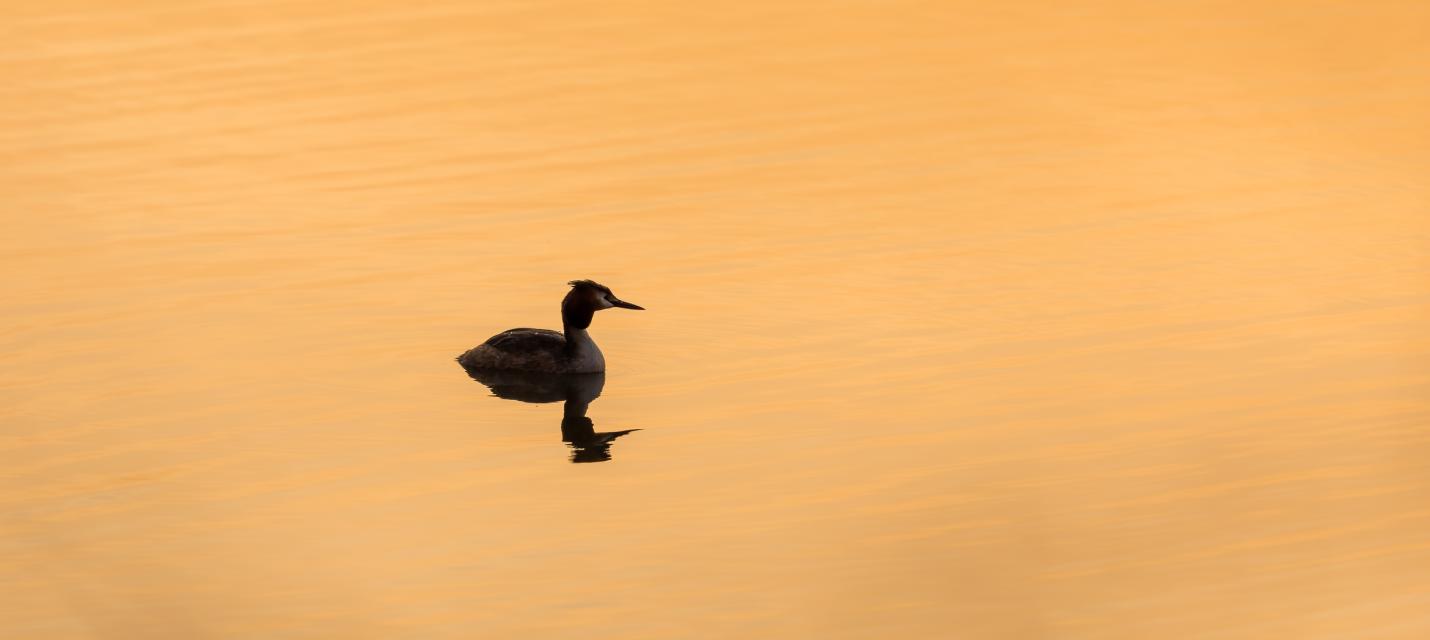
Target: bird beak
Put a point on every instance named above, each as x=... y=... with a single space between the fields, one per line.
x=625 y=305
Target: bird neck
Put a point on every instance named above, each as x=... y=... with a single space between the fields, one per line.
x=575 y=313
x=578 y=341
x=582 y=354
x=576 y=317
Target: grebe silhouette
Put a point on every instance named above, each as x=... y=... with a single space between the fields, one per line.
x=544 y=351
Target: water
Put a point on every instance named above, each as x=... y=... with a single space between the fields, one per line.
x=963 y=321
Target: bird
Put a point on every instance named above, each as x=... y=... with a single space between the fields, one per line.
x=544 y=351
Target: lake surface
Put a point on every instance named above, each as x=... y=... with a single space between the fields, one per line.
x=964 y=320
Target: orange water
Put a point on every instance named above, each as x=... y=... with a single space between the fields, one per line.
x=966 y=320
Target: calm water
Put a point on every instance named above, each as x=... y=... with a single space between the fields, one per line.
x=964 y=321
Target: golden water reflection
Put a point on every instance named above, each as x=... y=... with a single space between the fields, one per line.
x=984 y=320
x=575 y=391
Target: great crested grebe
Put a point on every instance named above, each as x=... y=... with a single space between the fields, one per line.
x=545 y=351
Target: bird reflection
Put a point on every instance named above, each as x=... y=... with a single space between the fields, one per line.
x=577 y=390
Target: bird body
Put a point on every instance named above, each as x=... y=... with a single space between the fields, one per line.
x=536 y=350
x=544 y=351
